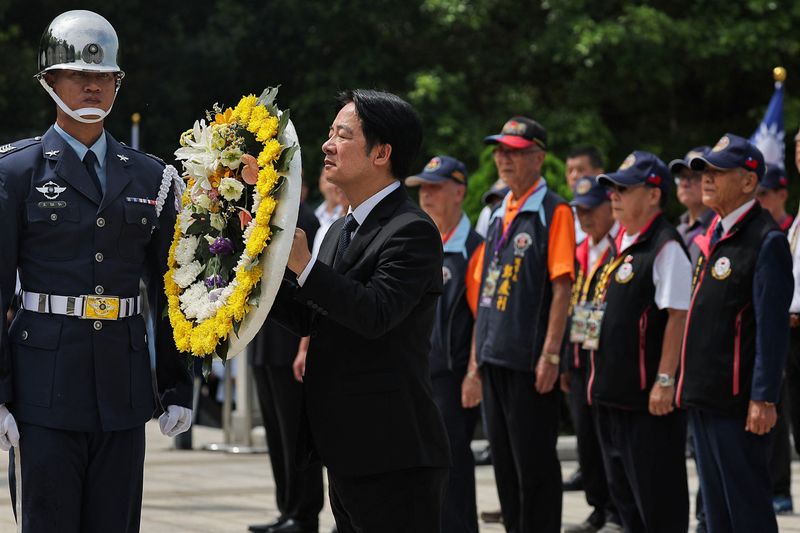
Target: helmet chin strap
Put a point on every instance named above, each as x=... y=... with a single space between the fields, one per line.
x=78 y=114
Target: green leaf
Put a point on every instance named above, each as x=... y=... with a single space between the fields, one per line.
x=278 y=186
x=222 y=351
x=275 y=229
x=267 y=99
x=207 y=362
x=284 y=121
x=236 y=326
x=282 y=165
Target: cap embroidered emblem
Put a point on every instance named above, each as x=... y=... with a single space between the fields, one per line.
x=512 y=127
x=655 y=179
x=433 y=164
x=584 y=186
x=751 y=163
x=628 y=163
x=723 y=143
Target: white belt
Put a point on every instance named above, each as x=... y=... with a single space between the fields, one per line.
x=87 y=306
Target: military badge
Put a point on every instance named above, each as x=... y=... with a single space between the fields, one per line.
x=628 y=163
x=51 y=190
x=446 y=275
x=624 y=273
x=433 y=165
x=133 y=200
x=522 y=241
x=721 y=144
x=721 y=268
x=583 y=186
x=103 y=308
x=6 y=148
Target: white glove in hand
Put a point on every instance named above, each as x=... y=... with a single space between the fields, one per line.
x=175 y=420
x=9 y=433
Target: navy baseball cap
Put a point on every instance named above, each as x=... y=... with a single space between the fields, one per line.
x=498 y=190
x=438 y=169
x=520 y=132
x=676 y=165
x=730 y=152
x=589 y=193
x=639 y=168
x=774 y=178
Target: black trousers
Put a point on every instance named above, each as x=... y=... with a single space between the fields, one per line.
x=78 y=482
x=733 y=468
x=298 y=493
x=780 y=455
x=590 y=456
x=459 y=513
x=792 y=385
x=523 y=431
x=405 y=501
x=646 y=467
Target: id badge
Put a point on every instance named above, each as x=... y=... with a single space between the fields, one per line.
x=593 y=325
x=490 y=285
x=580 y=319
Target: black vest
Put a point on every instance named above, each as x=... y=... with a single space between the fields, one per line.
x=624 y=367
x=452 y=331
x=719 y=344
x=510 y=330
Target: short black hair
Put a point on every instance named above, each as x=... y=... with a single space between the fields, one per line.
x=387 y=119
x=595 y=159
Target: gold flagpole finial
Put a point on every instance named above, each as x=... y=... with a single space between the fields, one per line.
x=779 y=73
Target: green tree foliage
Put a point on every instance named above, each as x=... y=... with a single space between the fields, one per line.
x=657 y=75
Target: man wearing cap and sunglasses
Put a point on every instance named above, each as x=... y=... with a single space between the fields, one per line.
x=694 y=222
x=633 y=332
x=525 y=273
x=85 y=218
x=735 y=342
x=456 y=386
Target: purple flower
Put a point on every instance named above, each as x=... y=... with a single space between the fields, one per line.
x=215 y=282
x=221 y=246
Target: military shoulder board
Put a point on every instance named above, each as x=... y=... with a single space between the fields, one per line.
x=7 y=148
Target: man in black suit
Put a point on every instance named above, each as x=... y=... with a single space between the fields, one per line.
x=368 y=303
x=298 y=493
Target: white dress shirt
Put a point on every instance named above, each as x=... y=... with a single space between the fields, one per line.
x=596 y=250
x=794 y=246
x=325 y=219
x=360 y=213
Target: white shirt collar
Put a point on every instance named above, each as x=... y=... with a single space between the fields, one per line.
x=362 y=211
x=735 y=215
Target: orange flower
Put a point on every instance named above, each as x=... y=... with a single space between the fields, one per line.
x=250 y=170
x=224 y=118
x=244 y=217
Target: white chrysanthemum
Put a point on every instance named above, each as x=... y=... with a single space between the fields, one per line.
x=231 y=189
x=199 y=156
x=186 y=220
x=184 y=251
x=192 y=300
x=185 y=275
x=202 y=200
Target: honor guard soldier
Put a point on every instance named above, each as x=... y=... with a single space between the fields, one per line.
x=525 y=273
x=735 y=343
x=85 y=218
x=456 y=388
x=592 y=204
x=634 y=329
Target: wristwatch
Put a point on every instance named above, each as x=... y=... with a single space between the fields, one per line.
x=552 y=358
x=665 y=380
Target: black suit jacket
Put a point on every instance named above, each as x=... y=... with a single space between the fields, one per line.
x=367 y=389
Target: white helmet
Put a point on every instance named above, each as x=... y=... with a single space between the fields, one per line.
x=79 y=40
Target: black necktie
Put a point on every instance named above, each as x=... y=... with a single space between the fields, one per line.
x=350 y=225
x=717 y=235
x=88 y=161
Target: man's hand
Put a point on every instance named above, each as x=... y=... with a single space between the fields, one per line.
x=299 y=257
x=175 y=420
x=546 y=376
x=299 y=365
x=471 y=392
x=661 y=400
x=566 y=379
x=761 y=417
x=9 y=433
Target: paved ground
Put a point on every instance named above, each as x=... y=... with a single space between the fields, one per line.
x=208 y=492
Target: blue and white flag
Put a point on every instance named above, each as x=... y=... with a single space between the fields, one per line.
x=769 y=137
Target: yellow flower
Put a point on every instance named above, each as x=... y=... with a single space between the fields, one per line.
x=267 y=178
x=265 y=210
x=271 y=151
x=258 y=238
x=244 y=108
x=268 y=129
x=257 y=118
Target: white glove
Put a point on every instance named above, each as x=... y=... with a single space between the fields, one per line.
x=175 y=420
x=9 y=433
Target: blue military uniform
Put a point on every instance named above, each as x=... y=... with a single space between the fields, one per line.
x=88 y=379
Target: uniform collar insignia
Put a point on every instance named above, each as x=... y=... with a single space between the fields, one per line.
x=6 y=148
x=52 y=153
x=123 y=158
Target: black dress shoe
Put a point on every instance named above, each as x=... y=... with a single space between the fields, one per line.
x=264 y=528
x=575 y=482
x=293 y=526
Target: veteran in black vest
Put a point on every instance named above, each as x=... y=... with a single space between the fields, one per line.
x=736 y=341
x=84 y=220
x=592 y=204
x=368 y=301
x=634 y=331
x=456 y=385
x=525 y=275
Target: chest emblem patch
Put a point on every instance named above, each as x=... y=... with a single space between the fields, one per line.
x=522 y=241
x=446 y=275
x=624 y=273
x=721 y=268
x=51 y=190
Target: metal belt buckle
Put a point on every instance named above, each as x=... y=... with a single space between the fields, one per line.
x=101 y=307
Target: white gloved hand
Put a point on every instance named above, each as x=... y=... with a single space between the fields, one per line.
x=9 y=433
x=175 y=420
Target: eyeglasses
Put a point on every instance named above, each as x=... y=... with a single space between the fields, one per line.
x=691 y=179
x=501 y=150
x=622 y=189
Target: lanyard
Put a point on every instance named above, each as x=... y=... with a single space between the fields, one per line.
x=504 y=238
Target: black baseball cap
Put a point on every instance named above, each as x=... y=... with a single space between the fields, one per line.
x=774 y=178
x=677 y=165
x=438 y=169
x=639 y=168
x=730 y=152
x=589 y=193
x=498 y=190
x=520 y=132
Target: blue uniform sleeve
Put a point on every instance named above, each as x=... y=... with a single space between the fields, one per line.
x=773 y=286
x=9 y=214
